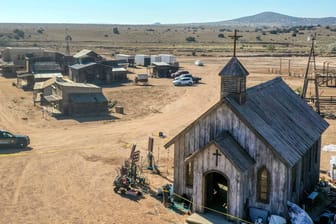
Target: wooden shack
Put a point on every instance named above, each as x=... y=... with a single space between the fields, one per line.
x=162 y=69
x=86 y=56
x=129 y=58
x=257 y=147
x=18 y=55
x=97 y=73
x=72 y=98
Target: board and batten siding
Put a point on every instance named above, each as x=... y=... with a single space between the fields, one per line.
x=203 y=164
x=204 y=130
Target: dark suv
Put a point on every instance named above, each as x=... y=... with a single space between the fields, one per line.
x=8 y=140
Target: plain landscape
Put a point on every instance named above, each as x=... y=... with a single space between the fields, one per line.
x=66 y=175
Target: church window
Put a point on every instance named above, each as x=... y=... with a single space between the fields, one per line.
x=190 y=174
x=263 y=185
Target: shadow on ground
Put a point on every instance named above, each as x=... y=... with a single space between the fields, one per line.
x=82 y=119
x=14 y=150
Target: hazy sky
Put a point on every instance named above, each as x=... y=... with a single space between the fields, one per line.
x=150 y=11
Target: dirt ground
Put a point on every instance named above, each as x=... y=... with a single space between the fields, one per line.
x=66 y=176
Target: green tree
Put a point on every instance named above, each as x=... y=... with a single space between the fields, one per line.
x=190 y=39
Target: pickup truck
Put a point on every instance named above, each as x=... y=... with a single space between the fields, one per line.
x=8 y=140
x=194 y=78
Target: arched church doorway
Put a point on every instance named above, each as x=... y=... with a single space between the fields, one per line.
x=216 y=192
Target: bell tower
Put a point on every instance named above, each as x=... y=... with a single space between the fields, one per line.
x=233 y=77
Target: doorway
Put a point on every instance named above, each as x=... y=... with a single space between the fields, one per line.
x=216 y=192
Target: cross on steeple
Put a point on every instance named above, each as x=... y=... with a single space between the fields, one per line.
x=216 y=154
x=235 y=37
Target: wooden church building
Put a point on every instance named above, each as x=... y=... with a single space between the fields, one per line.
x=257 y=147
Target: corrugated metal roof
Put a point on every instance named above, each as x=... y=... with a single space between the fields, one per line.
x=52 y=98
x=24 y=75
x=234 y=68
x=88 y=98
x=160 y=64
x=76 y=84
x=119 y=70
x=46 y=66
x=46 y=75
x=82 y=53
x=80 y=66
x=42 y=85
x=38 y=86
x=282 y=118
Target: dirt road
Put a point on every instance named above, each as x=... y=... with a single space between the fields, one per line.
x=67 y=174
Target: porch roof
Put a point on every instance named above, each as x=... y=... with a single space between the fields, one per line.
x=231 y=150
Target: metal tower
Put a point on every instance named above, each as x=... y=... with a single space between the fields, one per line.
x=311 y=75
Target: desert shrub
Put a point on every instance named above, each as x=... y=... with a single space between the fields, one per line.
x=3 y=42
x=270 y=47
x=220 y=35
x=116 y=30
x=258 y=38
x=333 y=50
x=18 y=33
x=190 y=39
x=40 y=30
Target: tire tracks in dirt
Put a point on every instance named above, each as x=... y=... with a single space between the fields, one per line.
x=21 y=181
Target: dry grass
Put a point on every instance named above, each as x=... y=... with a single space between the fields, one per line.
x=166 y=39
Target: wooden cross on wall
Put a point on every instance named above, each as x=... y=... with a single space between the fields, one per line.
x=235 y=37
x=216 y=154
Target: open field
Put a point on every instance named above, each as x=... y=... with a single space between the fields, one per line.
x=67 y=175
x=154 y=39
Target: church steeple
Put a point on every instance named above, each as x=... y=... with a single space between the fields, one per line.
x=233 y=77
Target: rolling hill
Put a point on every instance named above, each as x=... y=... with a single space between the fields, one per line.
x=275 y=19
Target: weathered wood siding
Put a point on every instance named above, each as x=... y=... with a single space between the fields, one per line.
x=204 y=130
x=203 y=164
x=306 y=173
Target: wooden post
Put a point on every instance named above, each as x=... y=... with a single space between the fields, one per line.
x=157 y=163
x=289 y=64
x=150 y=153
x=168 y=163
x=280 y=66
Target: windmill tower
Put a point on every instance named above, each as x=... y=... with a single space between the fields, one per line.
x=311 y=75
x=68 y=39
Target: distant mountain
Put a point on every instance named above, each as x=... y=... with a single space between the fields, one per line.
x=276 y=19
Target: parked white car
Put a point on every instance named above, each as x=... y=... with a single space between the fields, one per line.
x=185 y=81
